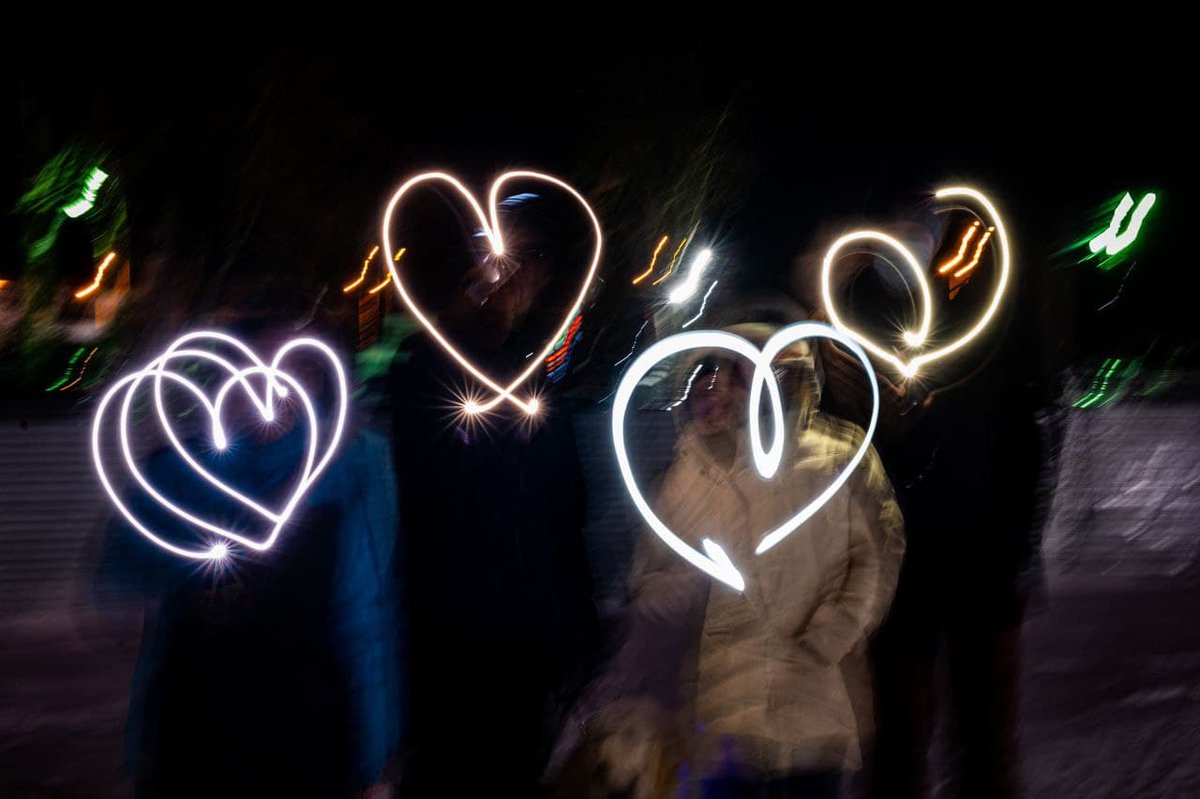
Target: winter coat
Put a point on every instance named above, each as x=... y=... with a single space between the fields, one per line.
x=780 y=683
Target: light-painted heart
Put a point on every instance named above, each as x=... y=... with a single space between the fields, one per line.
x=263 y=384
x=714 y=560
x=919 y=338
x=489 y=223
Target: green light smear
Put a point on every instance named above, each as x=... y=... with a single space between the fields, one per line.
x=62 y=381
x=1167 y=378
x=1099 y=388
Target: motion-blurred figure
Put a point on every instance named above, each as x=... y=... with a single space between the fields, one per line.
x=499 y=589
x=776 y=677
x=963 y=448
x=272 y=673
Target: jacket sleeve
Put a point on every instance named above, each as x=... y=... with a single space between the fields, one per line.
x=876 y=548
x=662 y=585
x=367 y=633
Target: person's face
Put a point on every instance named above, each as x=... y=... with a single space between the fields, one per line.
x=717 y=401
x=504 y=288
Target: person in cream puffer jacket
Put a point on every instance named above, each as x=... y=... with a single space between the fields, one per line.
x=780 y=690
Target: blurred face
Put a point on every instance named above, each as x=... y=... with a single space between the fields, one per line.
x=501 y=290
x=717 y=400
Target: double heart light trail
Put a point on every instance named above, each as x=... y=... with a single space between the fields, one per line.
x=713 y=560
x=278 y=383
x=916 y=339
x=489 y=223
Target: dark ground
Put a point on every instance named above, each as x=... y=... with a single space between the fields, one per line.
x=1110 y=700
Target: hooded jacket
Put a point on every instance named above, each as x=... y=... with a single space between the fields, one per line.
x=780 y=683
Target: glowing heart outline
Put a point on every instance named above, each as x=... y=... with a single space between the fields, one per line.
x=909 y=368
x=714 y=560
x=490 y=224
x=278 y=382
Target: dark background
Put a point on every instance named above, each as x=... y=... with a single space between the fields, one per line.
x=255 y=148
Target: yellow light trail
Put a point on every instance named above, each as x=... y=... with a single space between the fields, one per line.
x=89 y=290
x=962 y=249
x=671 y=266
x=653 y=259
x=978 y=251
x=349 y=287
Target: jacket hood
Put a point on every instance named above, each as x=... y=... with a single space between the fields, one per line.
x=802 y=396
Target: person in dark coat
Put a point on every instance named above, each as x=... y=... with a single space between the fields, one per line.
x=963 y=448
x=499 y=591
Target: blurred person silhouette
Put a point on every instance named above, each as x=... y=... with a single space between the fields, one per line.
x=768 y=686
x=269 y=673
x=498 y=584
x=963 y=448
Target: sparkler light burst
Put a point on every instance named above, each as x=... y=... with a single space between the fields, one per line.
x=918 y=339
x=203 y=354
x=489 y=223
x=767 y=459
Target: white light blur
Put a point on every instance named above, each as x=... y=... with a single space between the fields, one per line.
x=687 y=289
x=703 y=305
x=1111 y=241
x=278 y=383
x=489 y=223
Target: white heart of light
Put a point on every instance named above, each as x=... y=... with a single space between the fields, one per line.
x=916 y=338
x=278 y=384
x=490 y=224
x=714 y=559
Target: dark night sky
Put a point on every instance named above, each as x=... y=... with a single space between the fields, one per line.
x=307 y=132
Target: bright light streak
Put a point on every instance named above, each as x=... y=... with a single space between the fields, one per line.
x=91 y=185
x=650 y=269
x=559 y=359
x=1113 y=242
x=490 y=225
x=685 y=290
x=88 y=290
x=349 y=287
x=909 y=368
x=703 y=304
x=633 y=349
x=713 y=560
x=687 y=388
x=383 y=283
x=983 y=240
x=278 y=383
x=968 y=234
x=671 y=266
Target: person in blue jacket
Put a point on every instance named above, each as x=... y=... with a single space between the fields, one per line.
x=270 y=673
